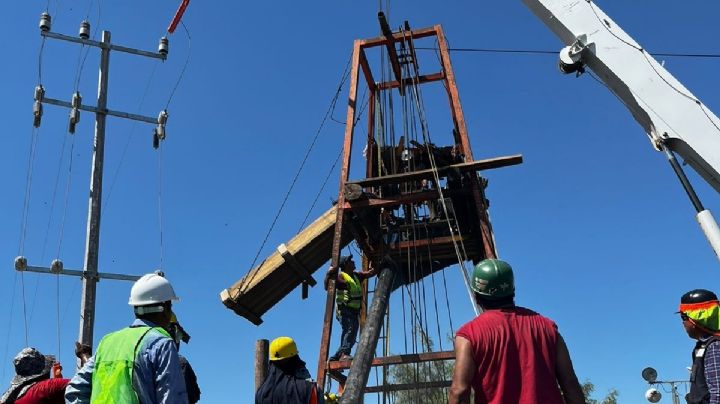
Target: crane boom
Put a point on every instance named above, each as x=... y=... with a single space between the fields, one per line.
x=674 y=119
x=670 y=114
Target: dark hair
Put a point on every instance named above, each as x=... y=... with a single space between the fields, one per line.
x=506 y=301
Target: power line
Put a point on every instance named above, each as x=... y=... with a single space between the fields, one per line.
x=547 y=52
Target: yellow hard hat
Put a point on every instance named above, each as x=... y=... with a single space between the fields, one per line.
x=282 y=348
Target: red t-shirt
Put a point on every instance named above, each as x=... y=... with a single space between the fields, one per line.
x=515 y=352
x=48 y=391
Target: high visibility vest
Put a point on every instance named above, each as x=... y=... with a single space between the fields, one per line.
x=112 y=378
x=352 y=296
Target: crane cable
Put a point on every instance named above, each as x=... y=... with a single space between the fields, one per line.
x=426 y=137
x=253 y=270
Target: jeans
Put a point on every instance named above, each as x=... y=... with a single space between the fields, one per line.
x=350 y=323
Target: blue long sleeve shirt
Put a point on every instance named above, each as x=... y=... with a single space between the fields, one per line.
x=157 y=377
x=712 y=371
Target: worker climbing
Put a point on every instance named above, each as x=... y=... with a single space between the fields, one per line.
x=508 y=346
x=138 y=364
x=349 y=299
x=288 y=381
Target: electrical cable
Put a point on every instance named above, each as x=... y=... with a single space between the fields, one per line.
x=187 y=62
x=253 y=273
x=160 y=213
x=555 y=53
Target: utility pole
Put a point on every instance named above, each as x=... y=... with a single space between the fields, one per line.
x=90 y=275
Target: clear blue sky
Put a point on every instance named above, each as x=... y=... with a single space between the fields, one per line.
x=600 y=233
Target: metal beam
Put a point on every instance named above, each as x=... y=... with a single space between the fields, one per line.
x=408 y=386
x=75 y=272
x=96 y=110
x=103 y=45
x=427 y=78
x=400 y=359
x=429 y=173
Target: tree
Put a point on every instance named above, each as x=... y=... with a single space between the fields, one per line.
x=588 y=388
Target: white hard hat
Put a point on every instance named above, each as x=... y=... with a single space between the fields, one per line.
x=151 y=289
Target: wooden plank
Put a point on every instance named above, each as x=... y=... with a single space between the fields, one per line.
x=477 y=165
x=415 y=197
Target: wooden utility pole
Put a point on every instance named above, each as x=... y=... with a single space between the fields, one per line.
x=89 y=274
x=262 y=349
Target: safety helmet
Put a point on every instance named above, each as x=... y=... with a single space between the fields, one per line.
x=344 y=260
x=151 y=289
x=493 y=279
x=698 y=296
x=282 y=348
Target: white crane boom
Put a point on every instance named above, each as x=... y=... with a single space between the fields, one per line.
x=673 y=118
x=670 y=114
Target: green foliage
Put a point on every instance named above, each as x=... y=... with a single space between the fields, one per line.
x=588 y=388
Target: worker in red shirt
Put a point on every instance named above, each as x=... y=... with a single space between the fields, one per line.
x=510 y=354
x=32 y=383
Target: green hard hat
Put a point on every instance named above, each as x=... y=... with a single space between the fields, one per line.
x=493 y=279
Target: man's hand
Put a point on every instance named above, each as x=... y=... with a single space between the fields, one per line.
x=83 y=352
x=330 y=274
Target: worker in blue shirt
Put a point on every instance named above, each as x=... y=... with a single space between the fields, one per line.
x=146 y=346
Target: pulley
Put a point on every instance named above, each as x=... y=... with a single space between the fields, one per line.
x=45 y=22
x=37 y=106
x=75 y=111
x=84 y=32
x=164 y=46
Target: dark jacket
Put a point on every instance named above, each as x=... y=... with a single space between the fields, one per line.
x=699 y=392
x=288 y=382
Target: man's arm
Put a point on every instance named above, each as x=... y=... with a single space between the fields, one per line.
x=371 y=271
x=569 y=385
x=712 y=371
x=463 y=372
x=169 y=381
x=80 y=387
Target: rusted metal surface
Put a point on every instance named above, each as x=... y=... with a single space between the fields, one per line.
x=487 y=241
x=337 y=240
x=397 y=36
x=400 y=359
x=261 y=362
x=441 y=171
x=427 y=78
x=408 y=386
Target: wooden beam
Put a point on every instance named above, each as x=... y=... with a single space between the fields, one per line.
x=428 y=173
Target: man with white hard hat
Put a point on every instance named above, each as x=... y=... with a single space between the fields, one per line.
x=138 y=364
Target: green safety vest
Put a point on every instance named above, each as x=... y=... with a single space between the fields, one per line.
x=352 y=296
x=112 y=378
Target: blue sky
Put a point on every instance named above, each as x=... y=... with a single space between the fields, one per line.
x=600 y=233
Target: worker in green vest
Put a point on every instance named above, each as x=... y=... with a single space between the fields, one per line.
x=138 y=364
x=348 y=284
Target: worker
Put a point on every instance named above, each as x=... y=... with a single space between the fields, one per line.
x=700 y=314
x=348 y=298
x=32 y=383
x=288 y=381
x=179 y=335
x=138 y=364
x=510 y=354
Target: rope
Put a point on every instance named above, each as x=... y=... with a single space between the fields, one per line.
x=10 y=322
